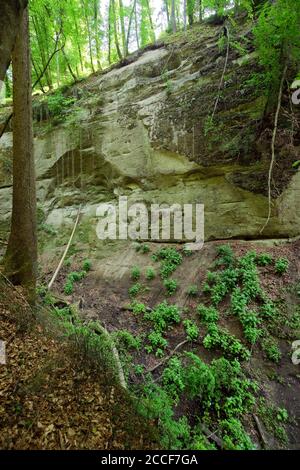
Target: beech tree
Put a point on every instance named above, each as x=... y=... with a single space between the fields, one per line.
x=21 y=255
x=11 y=12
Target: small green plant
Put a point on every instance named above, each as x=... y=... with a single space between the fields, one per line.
x=69 y=287
x=191 y=329
x=171 y=285
x=281 y=266
x=271 y=349
x=163 y=316
x=282 y=415
x=58 y=104
x=192 y=291
x=187 y=252
x=135 y=289
x=138 y=308
x=234 y=435
x=211 y=277
x=172 y=378
x=126 y=340
x=249 y=276
x=135 y=273
x=48 y=229
x=157 y=343
x=157 y=405
x=208 y=315
x=150 y=274
x=268 y=310
x=170 y=259
x=206 y=289
x=139 y=369
x=218 y=338
x=226 y=256
x=87 y=265
x=145 y=248
x=76 y=276
x=274 y=419
x=264 y=259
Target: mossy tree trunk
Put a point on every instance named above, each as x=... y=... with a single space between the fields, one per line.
x=11 y=12
x=21 y=255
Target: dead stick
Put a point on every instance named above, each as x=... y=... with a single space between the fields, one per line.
x=168 y=357
x=261 y=431
x=65 y=252
x=212 y=436
x=100 y=329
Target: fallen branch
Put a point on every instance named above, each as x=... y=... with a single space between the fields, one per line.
x=98 y=328
x=261 y=432
x=168 y=357
x=65 y=252
x=273 y=149
x=212 y=436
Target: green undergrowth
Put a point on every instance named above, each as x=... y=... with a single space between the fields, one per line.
x=189 y=394
x=220 y=393
x=76 y=276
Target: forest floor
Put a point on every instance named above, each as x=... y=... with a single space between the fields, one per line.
x=49 y=398
x=53 y=396
x=103 y=295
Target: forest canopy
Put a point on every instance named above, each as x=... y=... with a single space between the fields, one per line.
x=72 y=38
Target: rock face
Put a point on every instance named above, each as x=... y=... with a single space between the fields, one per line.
x=144 y=130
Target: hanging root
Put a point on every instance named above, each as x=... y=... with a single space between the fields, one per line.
x=223 y=74
x=273 y=149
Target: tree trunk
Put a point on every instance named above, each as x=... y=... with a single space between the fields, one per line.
x=150 y=21
x=190 y=11
x=116 y=30
x=11 y=13
x=136 y=26
x=109 y=32
x=96 y=32
x=69 y=66
x=48 y=78
x=173 y=16
x=21 y=255
x=77 y=41
x=167 y=11
x=123 y=32
x=86 y=16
